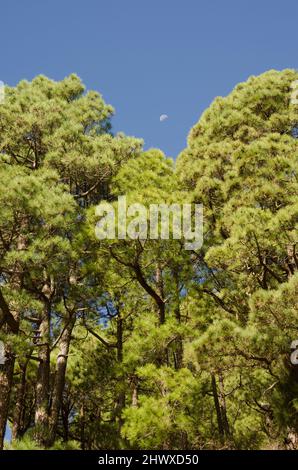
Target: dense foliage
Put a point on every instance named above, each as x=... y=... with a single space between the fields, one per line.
x=114 y=344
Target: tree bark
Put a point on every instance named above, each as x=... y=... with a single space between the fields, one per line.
x=10 y=324
x=18 y=425
x=43 y=380
x=121 y=397
x=179 y=341
x=82 y=423
x=160 y=292
x=59 y=381
x=217 y=409
x=223 y=407
x=6 y=380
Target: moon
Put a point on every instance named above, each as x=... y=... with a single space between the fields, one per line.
x=163 y=117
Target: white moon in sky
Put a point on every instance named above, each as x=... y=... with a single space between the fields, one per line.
x=163 y=117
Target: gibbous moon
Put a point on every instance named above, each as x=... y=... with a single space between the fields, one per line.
x=163 y=117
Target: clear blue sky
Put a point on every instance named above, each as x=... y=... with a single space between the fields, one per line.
x=149 y=57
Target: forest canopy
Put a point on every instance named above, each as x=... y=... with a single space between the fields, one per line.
x=142 y=344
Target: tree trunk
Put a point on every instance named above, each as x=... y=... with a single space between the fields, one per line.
x=65 y=412
x=59 y=382
x=6 y=380
x=160 y=292
x=121 y=397
x=82 y=423
x=179 y=341
x=9 y=321
x=18 y=424
x=222 y=400
x=217 y=409
x=43 y=380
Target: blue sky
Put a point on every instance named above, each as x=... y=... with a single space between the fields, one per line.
x=149 y=57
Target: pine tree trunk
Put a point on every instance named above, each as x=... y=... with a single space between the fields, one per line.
x=217 y=409
x=12 y=326
x=223 y=406
x=160 y=292
x=17 y=426
x=6 y=380
x=59 y=382
x=82 y=423
x=65 y=412
x=43 y=381
x=121 y=397
x=179 y=341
